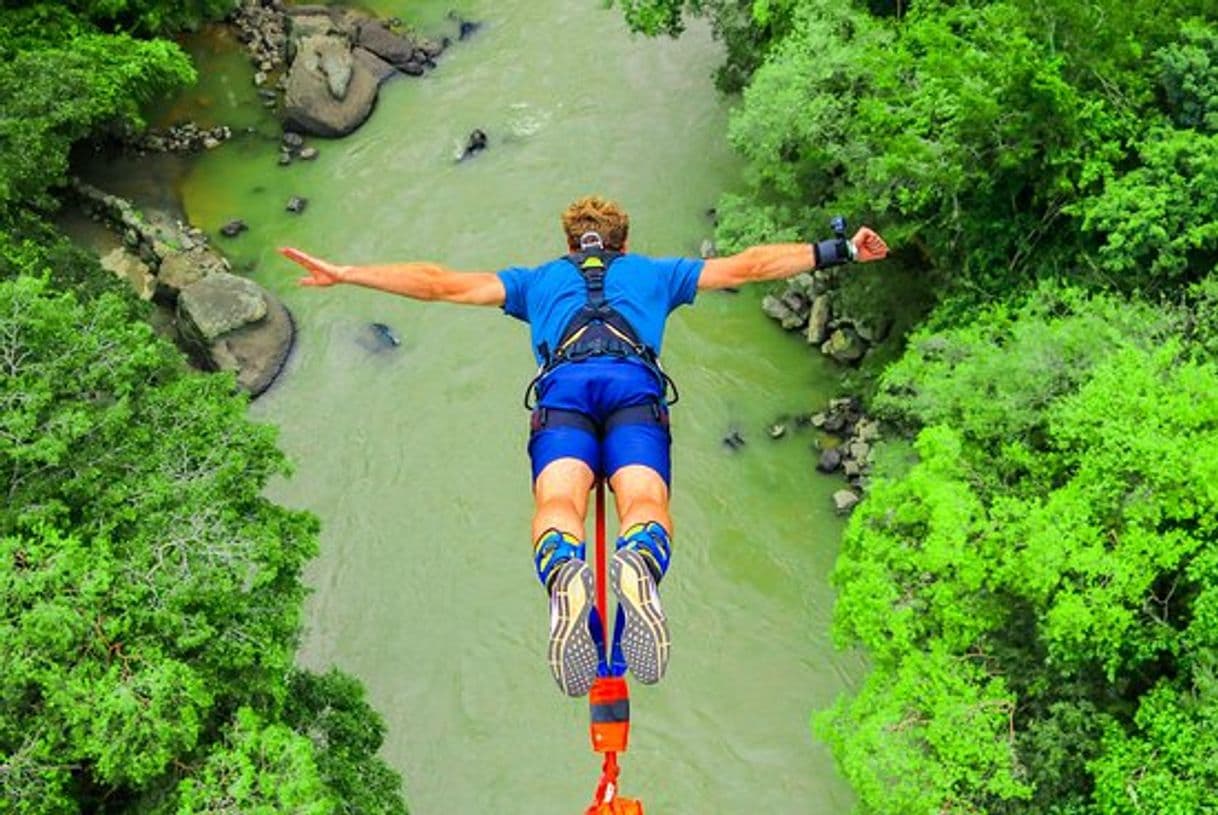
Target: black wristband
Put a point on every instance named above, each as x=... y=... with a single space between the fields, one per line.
x=833 y=252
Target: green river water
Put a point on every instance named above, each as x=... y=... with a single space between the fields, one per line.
x=414 y=458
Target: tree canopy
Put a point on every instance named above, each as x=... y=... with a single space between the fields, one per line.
x=1035 y=587
x=150 y=597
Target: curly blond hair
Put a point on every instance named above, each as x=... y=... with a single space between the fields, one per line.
x=595 y=214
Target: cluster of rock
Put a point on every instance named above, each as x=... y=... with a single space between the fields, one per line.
x=330 y=61
x=223 y=322
x=187 y=137
x=855 y=435
x=293 y=147
x=807 y=304
x=262 y=26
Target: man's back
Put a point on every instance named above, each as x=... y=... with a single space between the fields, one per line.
x=643 y=290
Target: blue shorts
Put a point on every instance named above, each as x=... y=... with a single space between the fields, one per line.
x=597 y=388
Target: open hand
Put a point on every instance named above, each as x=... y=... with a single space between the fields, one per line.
x=321 y=272
x=868 y=245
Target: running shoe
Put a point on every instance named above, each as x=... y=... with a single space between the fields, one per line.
x=572 y=653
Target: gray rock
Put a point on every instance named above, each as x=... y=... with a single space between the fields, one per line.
x=258 y=351
x=842 y=403
x=181 y=270
x=308 y=154
x=844 y=501
x=233 y=228
x=292 y=140
x=805 y=284
x=311 y=105
x=851 y=468
x=379 y=68
x=867 y=430
x=130 y=268
x=818 y=320
x=775 y=308
x=296 y=204
x=860 y=451
x=834 y=423
x=392 y=48
x=829 y=460
x=218 y=304
x=796 y=302
x=844 y=345
x=707 y=250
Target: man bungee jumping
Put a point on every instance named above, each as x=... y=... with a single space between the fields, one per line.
x=599 y=405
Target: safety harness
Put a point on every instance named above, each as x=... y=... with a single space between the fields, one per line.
x=598 y=330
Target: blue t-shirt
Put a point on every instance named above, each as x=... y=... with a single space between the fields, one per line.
x=644 y=290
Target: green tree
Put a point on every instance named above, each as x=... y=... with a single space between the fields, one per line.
x=1050 y=558
x=60 y=80
x=148 y=592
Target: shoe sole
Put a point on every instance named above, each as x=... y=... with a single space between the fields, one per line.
x=645 y=639
x=572 y=653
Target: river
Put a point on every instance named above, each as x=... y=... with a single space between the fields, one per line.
x=413 y=458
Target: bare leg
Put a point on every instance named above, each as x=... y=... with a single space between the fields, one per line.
x=560 y=497
x=641 y=495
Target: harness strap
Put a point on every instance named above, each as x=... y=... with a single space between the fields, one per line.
x=647 y=413
x=597 y=329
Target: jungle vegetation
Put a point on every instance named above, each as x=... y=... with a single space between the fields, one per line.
x=150 y=597
x=1037 y=586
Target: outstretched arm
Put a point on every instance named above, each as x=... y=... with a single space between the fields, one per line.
x=419 y=280
x=775 y=261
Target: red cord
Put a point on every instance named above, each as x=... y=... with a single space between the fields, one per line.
x=602 y=599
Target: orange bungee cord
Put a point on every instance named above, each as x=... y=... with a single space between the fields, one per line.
x=609 y=699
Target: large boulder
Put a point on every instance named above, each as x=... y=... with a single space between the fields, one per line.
x=329 y=93
x=218 y=304
x=229 y=323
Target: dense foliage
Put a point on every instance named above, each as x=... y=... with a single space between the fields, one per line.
x=991 y=140
x=1037 y=588
x=60 y=79
x=150 y=597
x=1042 y=579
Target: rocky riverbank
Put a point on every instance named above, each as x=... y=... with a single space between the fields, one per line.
x=808 y=303
x=849 y=437
x=322 y=66
x=221 y=321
